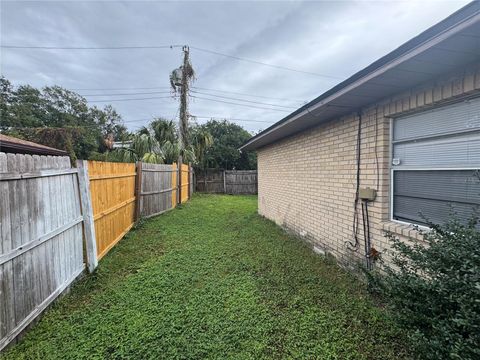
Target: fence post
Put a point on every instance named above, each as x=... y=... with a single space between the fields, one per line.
x=192 y=181
x=87 y=212
x=174 y=178
x=138 y=190
x=224 y=183
x=205 y=180
x=180 y=163
x=189 y=181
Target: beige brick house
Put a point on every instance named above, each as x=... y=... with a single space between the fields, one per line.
x=407 y=126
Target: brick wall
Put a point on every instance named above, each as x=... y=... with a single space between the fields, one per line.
x=307 y=182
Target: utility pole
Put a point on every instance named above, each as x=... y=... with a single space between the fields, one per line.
x=187 y=75
x=183 y=123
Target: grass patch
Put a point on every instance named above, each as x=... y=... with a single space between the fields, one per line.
x=213 y=280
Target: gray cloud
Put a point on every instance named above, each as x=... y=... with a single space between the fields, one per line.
x=334 y=38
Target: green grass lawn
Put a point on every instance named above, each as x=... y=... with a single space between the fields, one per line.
x=212 y=279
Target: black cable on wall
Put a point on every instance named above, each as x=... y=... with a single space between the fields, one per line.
x=354 y=245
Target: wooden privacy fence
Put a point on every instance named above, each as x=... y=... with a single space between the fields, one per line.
x=43 y=204
x=210 y=181
x=184 y=183
x=157 y=189
x=112 y=189
x=227 y=181
x=241 y=182
x=121 y=193
x=41 y=237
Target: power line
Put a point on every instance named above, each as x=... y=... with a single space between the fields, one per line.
x=231 y=119
x=134 y=121
x=121 y=122
x=250 y=95
x=114 y=89
x=89 y=47
x=193 y=87
x=167 y=47
x=232 y=103
x=123 y=94
x=249 y=101
x=264 y=64
x=196 y=97
x=131 y=99
x=202 y=50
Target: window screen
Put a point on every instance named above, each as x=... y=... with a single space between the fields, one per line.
x=436 y=157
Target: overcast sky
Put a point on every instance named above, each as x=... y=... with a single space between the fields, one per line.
x=334 y=39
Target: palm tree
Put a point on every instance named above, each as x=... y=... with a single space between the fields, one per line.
x=201 y=141
x=164 y=130
x=143 y=147
x=159 y=143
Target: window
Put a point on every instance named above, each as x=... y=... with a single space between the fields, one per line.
x=436 y=163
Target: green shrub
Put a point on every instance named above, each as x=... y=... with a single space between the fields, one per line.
x=433 y=289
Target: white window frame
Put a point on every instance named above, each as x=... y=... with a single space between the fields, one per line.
x=393 y=168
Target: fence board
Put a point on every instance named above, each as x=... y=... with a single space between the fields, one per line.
x=40 y=237
x=185 y=173
x=221 y=181
x=112 y=187
x=88 y=222
x=174 y=184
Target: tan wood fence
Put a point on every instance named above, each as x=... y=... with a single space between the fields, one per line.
x=112 y=188
x=121 y=193
x=184 y=184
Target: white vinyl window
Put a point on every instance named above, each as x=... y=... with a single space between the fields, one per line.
x=435 y=163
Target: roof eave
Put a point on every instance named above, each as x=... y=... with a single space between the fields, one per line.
x=350 y=85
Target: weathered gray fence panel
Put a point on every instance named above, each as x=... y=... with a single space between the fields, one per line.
x=40 y=238
x=241 y=182
x=156 y=189
x=226 y=181
x=191 y=181
x=210 y=181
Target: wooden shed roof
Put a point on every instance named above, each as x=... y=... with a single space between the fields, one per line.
x=9 y=144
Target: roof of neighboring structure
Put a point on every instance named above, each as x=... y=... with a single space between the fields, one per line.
x=454 y=40
x=9 y=144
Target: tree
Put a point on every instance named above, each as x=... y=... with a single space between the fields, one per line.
x=59 y=118
x=227 y=137
x=142 y=147
x=162 y=139
x=110 y=122
x=164 y=130
x=201 y=141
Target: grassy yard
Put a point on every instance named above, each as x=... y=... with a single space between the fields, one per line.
x=213 y=280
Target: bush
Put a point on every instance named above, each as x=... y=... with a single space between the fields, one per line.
x=433 y=289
